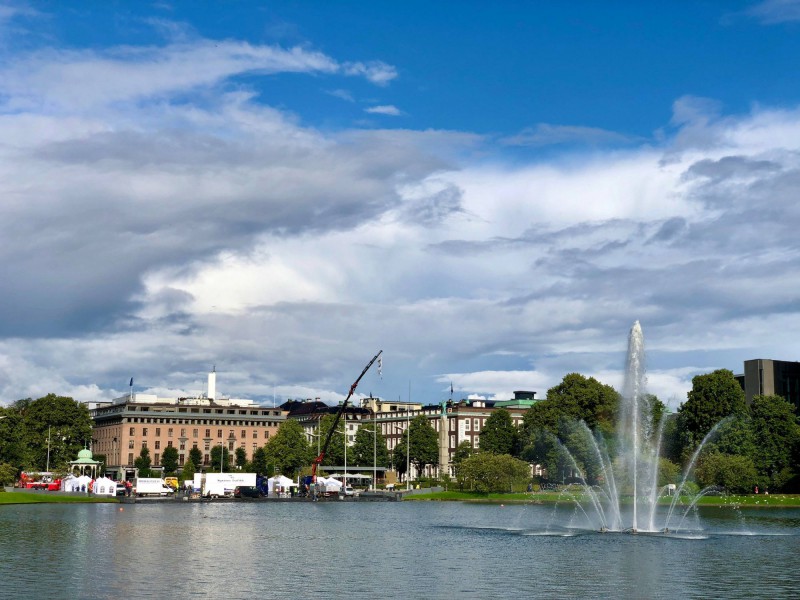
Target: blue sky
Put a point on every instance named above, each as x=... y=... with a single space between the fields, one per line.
x=491 y=196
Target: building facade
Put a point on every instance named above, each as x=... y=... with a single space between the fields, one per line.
x=765 y=377
x=125 y=425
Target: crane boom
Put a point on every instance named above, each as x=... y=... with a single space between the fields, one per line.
x=339 y=413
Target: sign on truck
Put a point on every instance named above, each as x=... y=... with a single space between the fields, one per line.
x=217 y=485
x=151 y=486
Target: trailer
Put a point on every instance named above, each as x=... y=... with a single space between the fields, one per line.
x=221 y=485
x=151 y=486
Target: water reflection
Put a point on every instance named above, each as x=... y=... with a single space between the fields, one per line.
x=403 y=550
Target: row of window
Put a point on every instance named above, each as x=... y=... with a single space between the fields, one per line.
x=181 y=457
x=195 y=433
x=224 y=422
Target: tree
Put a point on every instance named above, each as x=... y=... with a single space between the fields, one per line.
x=424 y=443
x=713 y=397
x=142 y=463
x=777 y=438
x=365 y=446
x=188 y=471
x=735 y=473
x=241 y=457
x=24 y=432
x=288 y=450
x=585 y=399
x=463 y=451
x=335 y=452
x=196 y=456
x=260 y=462
x=169 y=460
x=220 y=454
x=499 y=436
x=489 y=472
x=8 y=474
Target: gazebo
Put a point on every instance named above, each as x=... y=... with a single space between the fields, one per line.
x=85 y=464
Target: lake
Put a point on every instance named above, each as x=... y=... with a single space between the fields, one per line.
x=387 y=550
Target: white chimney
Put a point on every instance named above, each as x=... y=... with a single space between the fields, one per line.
x=212 y=383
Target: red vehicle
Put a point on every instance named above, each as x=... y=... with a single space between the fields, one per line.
x=39 y=481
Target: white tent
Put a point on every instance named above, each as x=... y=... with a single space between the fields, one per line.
x=82 y=483
x=278 y=484
x=68 y=482
x=105 y=487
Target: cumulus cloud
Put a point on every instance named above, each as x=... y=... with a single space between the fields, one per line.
x=545 y=134
x=157 y=220
x=386 y=109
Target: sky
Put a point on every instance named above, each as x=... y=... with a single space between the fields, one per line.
x=490 y=196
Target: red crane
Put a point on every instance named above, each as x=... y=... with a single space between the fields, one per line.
x=319 y=459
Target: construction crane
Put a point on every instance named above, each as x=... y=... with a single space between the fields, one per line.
x=318 y=461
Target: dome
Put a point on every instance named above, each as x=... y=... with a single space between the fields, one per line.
x=85 y=453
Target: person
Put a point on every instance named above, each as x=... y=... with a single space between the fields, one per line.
x=530 y=488
x=756 y=489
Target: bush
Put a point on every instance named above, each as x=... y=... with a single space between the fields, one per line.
x=733 y=472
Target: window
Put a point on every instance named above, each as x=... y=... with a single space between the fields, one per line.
x=194 y=433
x=208 y=445
x=266 y=434
x=130 y=443
x=158 y=431
x=155 y=458
x=133 y=431
x=144 y=444
x=205 y=459
x=183 y=432
x=183 y=445
x=169 y=432
x=255 y=434
x=130 y=458
x=144 y=430
x=180 y=459
x=466 y=424
x=230 y=445
x=219 y=433
x=476 y=424
x=158 y=445
x=244 y=433
x=169 y=444
x=208 y=433
x=230 y=433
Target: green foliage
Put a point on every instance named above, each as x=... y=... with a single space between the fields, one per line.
x=335 y=453
x=777 y=439
x=143 y=462
x=241 y=457
x=365 y=445
x=196 y=456
x=424 y=443
x=487 y=472
x=288 y=450
x=259 y=462
x=713 y=397
x=668 y=472
x=169 y=460
x=8 y=474
x=463 y=452
x=499 y=435
x=24 y=432
x=735 y=473
x=220 y=454
x=188 y=471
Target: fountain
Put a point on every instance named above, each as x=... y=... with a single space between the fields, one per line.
x=631 y=481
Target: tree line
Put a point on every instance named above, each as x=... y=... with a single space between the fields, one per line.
x=746 y=446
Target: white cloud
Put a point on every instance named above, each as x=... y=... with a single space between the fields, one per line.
x=771 y=12
x=544 y=134
x=386 y=109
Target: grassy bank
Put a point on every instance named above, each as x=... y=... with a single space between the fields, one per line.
x=48 y=498
x=754 y=501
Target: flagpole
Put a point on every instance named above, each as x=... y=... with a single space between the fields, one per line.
x=131 y=386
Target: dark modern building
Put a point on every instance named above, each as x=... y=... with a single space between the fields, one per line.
x=765 y=377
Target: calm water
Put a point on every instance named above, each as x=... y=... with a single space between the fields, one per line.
x=387 y=550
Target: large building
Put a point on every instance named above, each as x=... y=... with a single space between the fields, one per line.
x=128 y=423
x=454 y=421
x=765 y=377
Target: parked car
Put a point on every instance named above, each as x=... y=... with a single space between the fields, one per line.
x=348 y=491
x=247 y=491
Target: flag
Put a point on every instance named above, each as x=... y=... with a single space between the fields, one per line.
x=380 y=366
x=451 y=389
x=131 y=383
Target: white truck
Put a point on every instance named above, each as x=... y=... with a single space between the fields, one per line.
x=218 y=485
x=151 y=486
